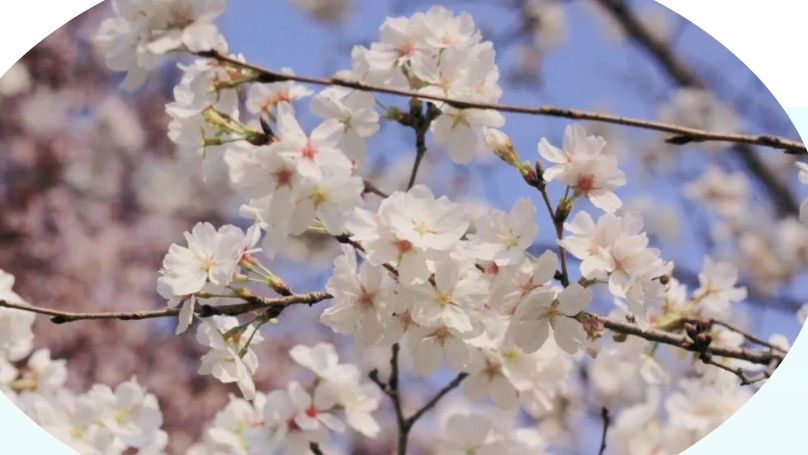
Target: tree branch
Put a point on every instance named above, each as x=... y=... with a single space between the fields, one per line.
x=683 y=342
x=315 y=448
x=252 y=303
x=749 y=336
x=681 y=133
x=435 y=399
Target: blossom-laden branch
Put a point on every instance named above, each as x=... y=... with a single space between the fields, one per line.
x=251 y=303
x=684 y=342
x=681 y=134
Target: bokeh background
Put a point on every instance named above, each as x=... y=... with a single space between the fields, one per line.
x=93 y=192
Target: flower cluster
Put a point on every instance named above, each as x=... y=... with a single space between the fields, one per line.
x=290 y=419
x=478 y=301
x=465 y=431
x=104 y=420
x=142 y=30
x=615 y=249
x=437 y=53
x=207 y=265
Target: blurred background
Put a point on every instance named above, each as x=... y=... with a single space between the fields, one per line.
x=92 y=192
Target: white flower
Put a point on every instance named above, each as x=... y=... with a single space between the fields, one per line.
x=230 y=359
x=358 y=401
x=449 y=300
x=232 y=430
x=503 y=238
x=132 y=414
x=323 y=360
x=280 y=428
x=141 y=30
x=360 y=299
x=210 y=259
x=489 y=375
x=354 y=110
x=702 y=407
x=427 y=345
x=338 y=192
x=409 y=229
x=310 y=411
x=461 y=131
x=717 y=290
x=543 y=310
x=468 y=434
x=312 y=152
x=49 y=375
x=264 y=98
x=583 y=166
x=514 y=285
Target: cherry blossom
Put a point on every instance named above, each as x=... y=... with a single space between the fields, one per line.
x=544 y=310
x=230 y=358
x=583 y=166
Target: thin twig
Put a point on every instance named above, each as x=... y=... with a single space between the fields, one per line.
x=558 y=222
x=749 y=336
x=315 y=448
x=395 y=397
x=373 y=189
x=681 y=133
x=435 y=399
x=745 y=379
x=420 y=151
x=252 y=303
x=683 y=342
x=604 y=415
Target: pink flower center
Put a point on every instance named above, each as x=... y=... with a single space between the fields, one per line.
x=586 y=183
x=403 y=245
x=309 y=151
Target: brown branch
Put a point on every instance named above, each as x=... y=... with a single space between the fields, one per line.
x=315 y=448
x=558 y=216
x=745 y=379
x=749 y=336
x=373 y=189
x=769 y=358
x=680 y=132
x=684 y=76
x=252 y=303
x=435 y=399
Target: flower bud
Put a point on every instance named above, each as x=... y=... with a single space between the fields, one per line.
x=502 y=146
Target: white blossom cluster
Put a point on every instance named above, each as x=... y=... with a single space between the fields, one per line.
x=291 y=419
x=103 y=420
x=142 y=30
x=437 y=53
x=416 y=271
